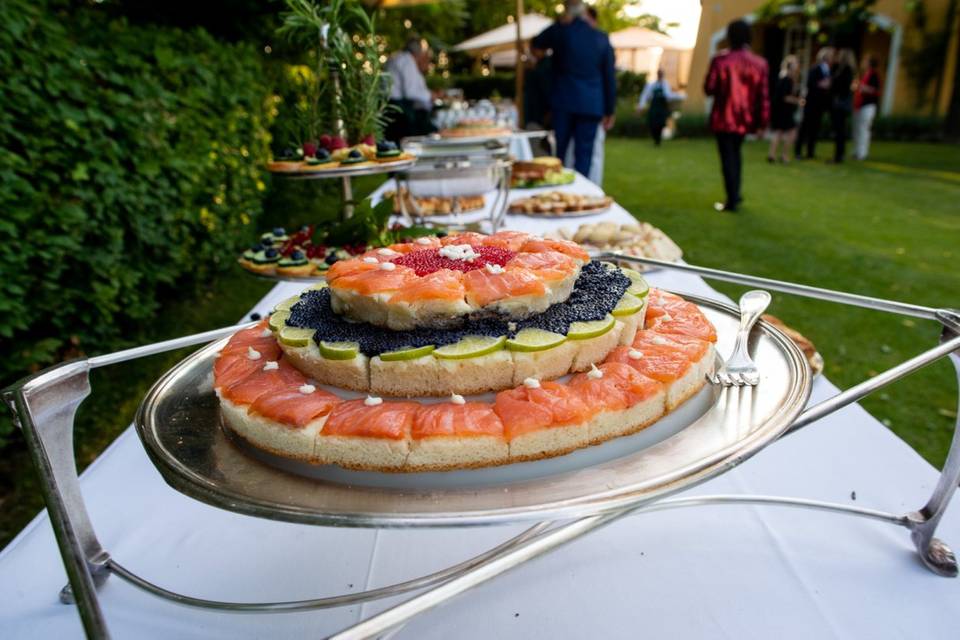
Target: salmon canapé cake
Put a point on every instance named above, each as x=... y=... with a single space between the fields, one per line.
x=438 y=283
x=653 y=357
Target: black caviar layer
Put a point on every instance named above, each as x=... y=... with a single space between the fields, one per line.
x=594 y=295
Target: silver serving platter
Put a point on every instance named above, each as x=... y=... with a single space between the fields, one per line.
x=559 y=215
x=348 y=171
x=179 y=424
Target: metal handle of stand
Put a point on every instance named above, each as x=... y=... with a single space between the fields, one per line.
x=44 y=406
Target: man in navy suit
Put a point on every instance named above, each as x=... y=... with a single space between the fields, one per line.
x=584 y=90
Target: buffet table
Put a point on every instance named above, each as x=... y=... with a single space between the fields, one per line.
x=718 y=571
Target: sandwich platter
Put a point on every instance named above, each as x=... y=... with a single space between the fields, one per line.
x=180 y=426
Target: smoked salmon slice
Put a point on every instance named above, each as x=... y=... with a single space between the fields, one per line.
x=232 y=368
x=375 y=280
x=468 y=237
x=483 y=287
x=389 y=420
x=510 y=240
x=445 y=284
x=686 y=321
x=448 y=419
x=621 y=387
x=294 y=408
x=548 y=265
x=350 y=267
x=692 y=347
x=663 y=364
x=259 y=382
x=523 y=410
x=566 y=247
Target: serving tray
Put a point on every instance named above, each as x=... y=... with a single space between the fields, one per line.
x=179 y=424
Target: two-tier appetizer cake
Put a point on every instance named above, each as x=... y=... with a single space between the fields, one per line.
x=462 y=352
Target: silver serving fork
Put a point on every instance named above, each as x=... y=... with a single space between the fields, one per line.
x=740 y=370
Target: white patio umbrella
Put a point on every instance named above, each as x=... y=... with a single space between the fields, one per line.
x=509 y=39
x=506 y=36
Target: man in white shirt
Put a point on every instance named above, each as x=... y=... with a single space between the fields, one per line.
x=655 y=99
x=409 y=91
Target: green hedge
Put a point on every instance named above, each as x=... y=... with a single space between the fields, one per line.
x=130 y=165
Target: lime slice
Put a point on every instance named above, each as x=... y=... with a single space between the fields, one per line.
x=471 y=347
x=531 y=339
x=585 y=330
x=409 y=353
x=628 y=305
x=339 y=350
x=287 y=304
x=278 y=319
x=295 y=336
x=638 y=286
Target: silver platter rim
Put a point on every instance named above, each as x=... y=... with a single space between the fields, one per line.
x=581 y=213
x=348 y=171
x=432 y=507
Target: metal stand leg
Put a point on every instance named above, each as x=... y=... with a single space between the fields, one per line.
x=45 y=407
x=938 y=557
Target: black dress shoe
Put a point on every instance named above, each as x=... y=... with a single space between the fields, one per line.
x=720 y=207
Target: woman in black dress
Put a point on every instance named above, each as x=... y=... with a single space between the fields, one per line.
x=786 y=99
x=841 y=105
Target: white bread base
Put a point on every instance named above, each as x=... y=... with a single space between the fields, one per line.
x=632 y=324
x=593 y=350
x=353 y=374
x=543 y=365
x=607 y=425
x=549 y=442
x=280 y=439
x=470 y=376
x=409 y=378
x=451 y=452
x=362 y=454
x=692 y=381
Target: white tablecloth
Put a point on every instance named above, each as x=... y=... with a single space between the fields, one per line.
x=715 y=572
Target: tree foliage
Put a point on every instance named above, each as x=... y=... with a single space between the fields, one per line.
x=130 y=164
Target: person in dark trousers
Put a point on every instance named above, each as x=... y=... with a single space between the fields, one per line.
x=655 y=99
x=737 y=80
x=816 y=104
x=841 y=100
x=584 y=89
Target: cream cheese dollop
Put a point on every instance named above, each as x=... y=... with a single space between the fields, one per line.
x=253 y=354
x=633 y=354
x=531 y=383
x=458 y=252
x=594 y=373
x=271 y=365
x=386 y=251
x=372 y=401
x=387 y=266
x=493 y=268
x=424 y=241
x=307 y=389
x=660 y=341
x=456 y=398
x=370 y=260
x=266 y=333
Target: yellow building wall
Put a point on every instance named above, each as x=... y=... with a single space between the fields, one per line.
x=716 y=15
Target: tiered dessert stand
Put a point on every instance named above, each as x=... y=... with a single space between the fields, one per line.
x=597 y=485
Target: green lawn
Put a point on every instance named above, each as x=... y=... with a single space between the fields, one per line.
x=889 y=229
